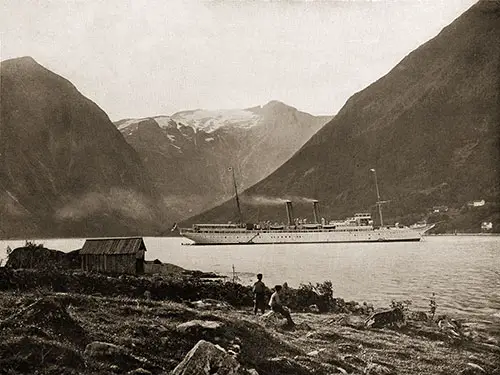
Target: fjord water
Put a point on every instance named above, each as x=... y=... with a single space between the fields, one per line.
x=463 y=271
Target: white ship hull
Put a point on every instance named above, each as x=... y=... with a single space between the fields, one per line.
x=243 y=236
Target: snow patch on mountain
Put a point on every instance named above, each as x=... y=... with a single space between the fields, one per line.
x=128 y=122
x=166 y=122
x=132 y=123
x=211 y=120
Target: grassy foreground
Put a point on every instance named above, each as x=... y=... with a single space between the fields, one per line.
x=46 y=332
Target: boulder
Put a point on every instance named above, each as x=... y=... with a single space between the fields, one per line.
x=211 y=304
x=378 y=369
x=197 y=326
x=206 y=358
x=385 y=318
x=103 y=349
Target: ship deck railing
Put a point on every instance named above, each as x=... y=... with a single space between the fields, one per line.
x=302 y=230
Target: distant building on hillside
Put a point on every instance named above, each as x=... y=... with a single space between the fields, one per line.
x=437 y=209
x=476 y=203
x=486 y=226
x=114 y=255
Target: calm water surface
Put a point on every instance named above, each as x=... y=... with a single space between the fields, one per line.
x=463 y=271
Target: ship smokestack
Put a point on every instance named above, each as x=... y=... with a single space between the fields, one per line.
x=316 y=212
x=289 y=212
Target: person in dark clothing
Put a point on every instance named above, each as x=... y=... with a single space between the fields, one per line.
x=276 y=306
x=259 y=289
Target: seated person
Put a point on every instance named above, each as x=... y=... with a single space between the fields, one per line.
x=276 y=305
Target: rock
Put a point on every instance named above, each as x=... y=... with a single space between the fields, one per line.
x=283 y=365
x=106 y=352
x=420 y=316
x=196 y=326
x=139 y=371
x=252 y=371
x=211 y=304
x=355 y=362
x=315 y=353
x=349 y=364
x=349 y=348
x=451 y=328
x=353 y=321
x=206 y=358
x=50 y=315
x=378 y=369
x=271 y=318
x=303 y=326
x=103 y=349
x=338 y=305
x=472 y=369
x=385 y=318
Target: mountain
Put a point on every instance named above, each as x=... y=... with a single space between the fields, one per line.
x=189 y=153
x=430 y=128
x=65 y=170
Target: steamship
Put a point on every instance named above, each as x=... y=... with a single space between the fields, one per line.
x=359 y=228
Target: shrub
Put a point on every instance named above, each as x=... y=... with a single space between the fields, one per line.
x=306 y=295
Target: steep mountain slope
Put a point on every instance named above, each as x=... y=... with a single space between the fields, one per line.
x=64 y=167
x=189 y=153
x=430 y=127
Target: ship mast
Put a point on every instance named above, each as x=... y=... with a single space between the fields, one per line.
x=236 y=196
x=379 y=202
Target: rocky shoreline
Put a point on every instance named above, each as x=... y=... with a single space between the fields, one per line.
x=55 y=322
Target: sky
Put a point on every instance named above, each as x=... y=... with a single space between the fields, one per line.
x=138 y=58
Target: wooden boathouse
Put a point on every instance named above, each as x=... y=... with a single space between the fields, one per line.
x=114 y=255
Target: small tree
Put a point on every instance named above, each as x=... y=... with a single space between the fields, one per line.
x=432 y=305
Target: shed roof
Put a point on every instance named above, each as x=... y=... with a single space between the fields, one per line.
x=113 y=246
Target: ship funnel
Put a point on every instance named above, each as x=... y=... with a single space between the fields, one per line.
x=289 y=212
x=316 y=212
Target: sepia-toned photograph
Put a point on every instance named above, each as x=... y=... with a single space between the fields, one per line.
x=250 y=187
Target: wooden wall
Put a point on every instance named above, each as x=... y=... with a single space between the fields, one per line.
x=113 y=263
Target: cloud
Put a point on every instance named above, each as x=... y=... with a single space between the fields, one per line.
x=126 y=202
